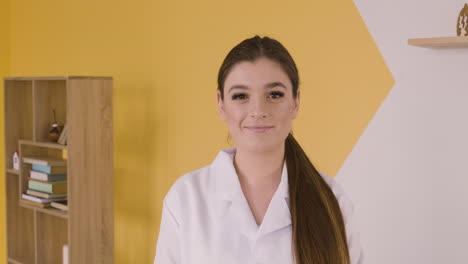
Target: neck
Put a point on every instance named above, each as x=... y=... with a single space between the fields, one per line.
x=257 y=169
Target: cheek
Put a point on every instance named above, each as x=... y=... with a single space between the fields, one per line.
x=285 y=116
x=285 y=112
x=234 y=115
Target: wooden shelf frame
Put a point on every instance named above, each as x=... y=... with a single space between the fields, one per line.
x=440 y=42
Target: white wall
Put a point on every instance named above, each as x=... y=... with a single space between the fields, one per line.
x=408 y=174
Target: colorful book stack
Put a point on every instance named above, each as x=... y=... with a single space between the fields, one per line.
x=47 y=183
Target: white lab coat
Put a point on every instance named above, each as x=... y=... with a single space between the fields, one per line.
x=206 y=220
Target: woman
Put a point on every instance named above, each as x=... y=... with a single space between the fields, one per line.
x=262 y=201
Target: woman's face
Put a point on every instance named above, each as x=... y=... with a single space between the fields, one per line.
x=258 y=105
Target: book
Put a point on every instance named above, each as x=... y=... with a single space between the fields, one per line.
x=31 y=203
x=30 y=178
x=49 y=169
x=62 y=205
x=51 y=187
x=45 y=195
x=45 y=161
x=40 y=200
x=47 y=176
x=63 y=136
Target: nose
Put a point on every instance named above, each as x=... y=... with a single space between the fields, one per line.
x=258 y=108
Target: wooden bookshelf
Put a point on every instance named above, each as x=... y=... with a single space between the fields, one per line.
x=36 y=235
x=440 y=42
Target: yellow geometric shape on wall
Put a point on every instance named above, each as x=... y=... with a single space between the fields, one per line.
x=345 y=82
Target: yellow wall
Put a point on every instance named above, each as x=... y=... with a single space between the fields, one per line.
x=164 y=57
x=4 y=71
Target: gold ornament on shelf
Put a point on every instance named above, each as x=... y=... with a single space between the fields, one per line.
x=462 y=22
x=54 y=132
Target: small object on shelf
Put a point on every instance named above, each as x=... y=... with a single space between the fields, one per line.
x=62 y=205
x=35 y=204
x=65 y=254
x=47 y=176
x=56 y=129
x=40 y=199
x=63 y=136
x=45 y=195
x=49 y=169
x=16 y=161
x=51 y=187
x=462 y=22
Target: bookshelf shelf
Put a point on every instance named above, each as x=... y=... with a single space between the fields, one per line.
x=84 y=105
x=42 y=144
x=440 y=42
x=12 y=261
x=12 y=171
x=50 y=211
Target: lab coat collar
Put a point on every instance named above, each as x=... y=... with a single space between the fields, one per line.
x=230 y=200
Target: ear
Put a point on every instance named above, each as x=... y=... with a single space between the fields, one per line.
x=297 y=102
x=221 y=112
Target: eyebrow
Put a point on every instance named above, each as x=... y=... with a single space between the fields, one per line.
x=267 y=86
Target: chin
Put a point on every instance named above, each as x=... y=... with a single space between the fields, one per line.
x=259 y=146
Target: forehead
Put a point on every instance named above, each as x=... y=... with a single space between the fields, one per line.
x=256 y=73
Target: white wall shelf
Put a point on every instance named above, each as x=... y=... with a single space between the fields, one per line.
x=440 y=42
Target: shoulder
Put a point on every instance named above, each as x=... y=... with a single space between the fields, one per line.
x=187 y=189
x=190 y=180
x=189 y=184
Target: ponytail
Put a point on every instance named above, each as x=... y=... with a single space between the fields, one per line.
x=318 y=234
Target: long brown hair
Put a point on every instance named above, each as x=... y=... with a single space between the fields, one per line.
x=318 y=235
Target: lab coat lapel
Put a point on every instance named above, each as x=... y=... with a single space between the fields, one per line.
x=231 y=204
x=278 y=214
x=242 y=217
x=237 y=215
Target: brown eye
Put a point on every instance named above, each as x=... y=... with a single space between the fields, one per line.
x=238 y=96
x=276 y=95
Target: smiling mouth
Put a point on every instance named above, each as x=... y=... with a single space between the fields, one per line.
x=259 y=129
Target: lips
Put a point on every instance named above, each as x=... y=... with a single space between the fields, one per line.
x=259 y=129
